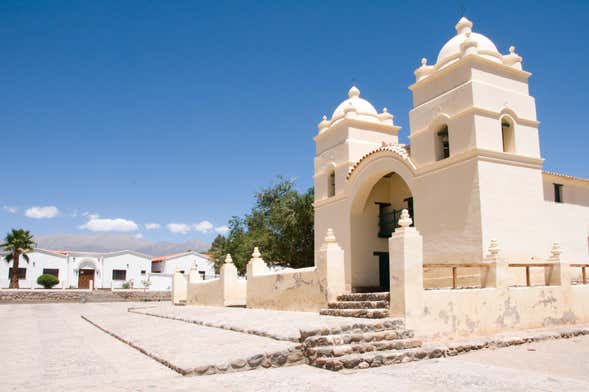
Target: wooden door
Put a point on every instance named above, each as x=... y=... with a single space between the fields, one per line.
x=383 y=270
x=84 y=278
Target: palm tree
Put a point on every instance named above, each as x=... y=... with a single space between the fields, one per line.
x=18 y=243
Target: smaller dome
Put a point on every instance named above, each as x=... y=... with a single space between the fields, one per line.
x=354 y=102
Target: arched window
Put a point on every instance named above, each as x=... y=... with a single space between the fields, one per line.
x=442 y=143
x=331 y=184
x=507 y=135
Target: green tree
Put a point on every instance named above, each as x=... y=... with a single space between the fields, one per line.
x=280 y=224
x=18 y=243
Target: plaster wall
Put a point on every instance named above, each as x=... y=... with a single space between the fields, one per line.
x=185 y=263
x=137 y=268
x=160 y=282
x=227 y=290
x=298 y=289
x=573 y=191
x=38 y=261
x=485 y=311
x=513 y=194
x=447 y=213
x=206 y=292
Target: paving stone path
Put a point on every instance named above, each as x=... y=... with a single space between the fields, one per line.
x=196 y=350
x=49 y=347
x=280 y=325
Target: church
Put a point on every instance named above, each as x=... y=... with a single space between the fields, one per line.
x=461 y=231
x=471 y=173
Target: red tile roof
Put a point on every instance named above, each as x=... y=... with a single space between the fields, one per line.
x=166 y=257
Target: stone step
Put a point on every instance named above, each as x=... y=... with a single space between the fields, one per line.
x=360 y=313
x=357 y=337
x=359 y=348
x=377 y=358
x=389 y=324
x=383 y=296
x=358 y=305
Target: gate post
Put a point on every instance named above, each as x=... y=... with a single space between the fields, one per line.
x=406 y=272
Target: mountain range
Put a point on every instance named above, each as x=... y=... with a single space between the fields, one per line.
x=109 y=242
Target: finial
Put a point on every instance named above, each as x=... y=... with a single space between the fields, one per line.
x=494 y=247
x=330 y=236
x=228 y=259
x=405 y=220
x=423 y=61
x=354 y=92
x=555 y=251
x=512 y=49
x=385 y=110
x=256 y=254
x=323 y=124
x=463 y=26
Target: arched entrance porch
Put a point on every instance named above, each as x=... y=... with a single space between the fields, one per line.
x=383 y=188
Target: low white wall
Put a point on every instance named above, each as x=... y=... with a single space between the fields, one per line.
x=297 y=289
x=485 y=311
x=227 y=290
x=160 y=282
x=205 y=292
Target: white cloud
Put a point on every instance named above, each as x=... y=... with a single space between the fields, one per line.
x=106 y=224
x=44 y=212
x=152 y=226
x=138 y=236
x=222 y=229
x=90 y=215
x=179 y=228
x=12 y=210
x=203 y=226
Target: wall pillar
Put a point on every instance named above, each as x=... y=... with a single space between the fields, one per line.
x=331 y=267
x=256 y=265
x=229 y=283
x=406 y=272
x=179 y=287
x=193 y=276
x=559 y=273
x=496 y=274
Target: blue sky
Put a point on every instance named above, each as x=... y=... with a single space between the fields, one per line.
x=178 y=112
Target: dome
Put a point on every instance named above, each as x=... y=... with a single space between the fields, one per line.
x=360 y=105
x=452 y=49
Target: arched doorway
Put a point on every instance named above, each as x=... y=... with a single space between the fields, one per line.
x=374 y=217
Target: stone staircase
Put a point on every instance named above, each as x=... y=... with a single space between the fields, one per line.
x=360 y=346
x=364 y=305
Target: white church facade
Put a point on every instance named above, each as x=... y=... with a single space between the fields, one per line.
x=472 y=172
x=467 y=196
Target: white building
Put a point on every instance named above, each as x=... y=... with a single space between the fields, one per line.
x=473 y=171
x=78 y=269
x=184 y=262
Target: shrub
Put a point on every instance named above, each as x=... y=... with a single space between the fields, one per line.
x=47 y=280
x=126 y=285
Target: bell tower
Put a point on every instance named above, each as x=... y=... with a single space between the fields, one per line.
x=355 y=128
x=472 y=99
x=474 y=133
